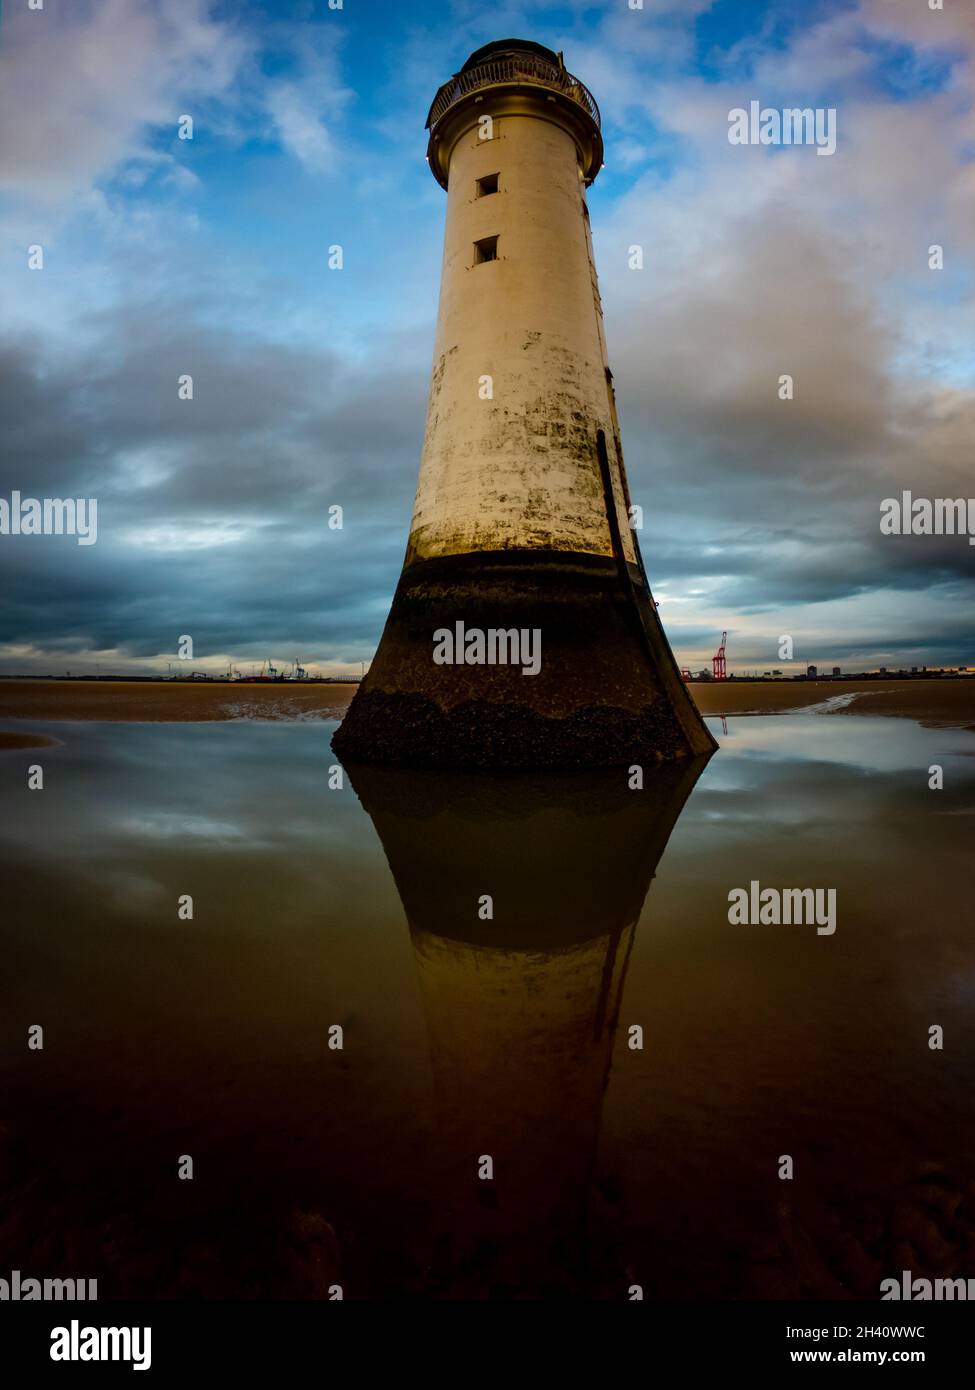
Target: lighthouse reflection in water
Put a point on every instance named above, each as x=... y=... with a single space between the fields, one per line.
x=522 y=894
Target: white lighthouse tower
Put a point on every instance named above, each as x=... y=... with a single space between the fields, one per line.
x=520 y=539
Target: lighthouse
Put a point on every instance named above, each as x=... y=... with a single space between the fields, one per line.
x=522 y=633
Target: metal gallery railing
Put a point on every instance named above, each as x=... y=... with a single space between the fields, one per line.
x=522 y=68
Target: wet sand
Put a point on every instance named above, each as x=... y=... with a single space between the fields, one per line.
x=949 y=703
x=169 y=702
x=14 y=741
x=945 y=703
x=318 y=905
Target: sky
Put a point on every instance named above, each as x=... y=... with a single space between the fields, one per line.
x=209 y=257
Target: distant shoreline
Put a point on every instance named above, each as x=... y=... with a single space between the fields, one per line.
x=943 y=700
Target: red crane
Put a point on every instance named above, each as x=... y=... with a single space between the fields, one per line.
x=718 y=669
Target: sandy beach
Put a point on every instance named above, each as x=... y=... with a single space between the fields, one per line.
x=170 y=702
x=931 y=702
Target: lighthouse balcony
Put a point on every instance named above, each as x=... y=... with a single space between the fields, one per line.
x=520 y=68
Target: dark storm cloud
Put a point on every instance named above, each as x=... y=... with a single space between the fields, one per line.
x=213 y=514
x=272 y=438
x=275 y=435
x=775 y=502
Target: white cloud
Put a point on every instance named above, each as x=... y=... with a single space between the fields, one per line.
x=86 y=86
x=191 y=536
x=81 y=81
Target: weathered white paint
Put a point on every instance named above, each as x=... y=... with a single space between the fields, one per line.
x=518 y=470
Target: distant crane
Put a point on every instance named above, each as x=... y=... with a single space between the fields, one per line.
x=685 y=673
x=718 y=668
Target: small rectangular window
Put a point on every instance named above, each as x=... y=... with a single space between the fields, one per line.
x=486 y=250
x=489 y=184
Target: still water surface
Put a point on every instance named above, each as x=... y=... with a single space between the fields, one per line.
x=467 y=1037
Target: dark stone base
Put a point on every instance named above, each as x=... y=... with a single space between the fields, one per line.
x=608 y=692
x=413 y=729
